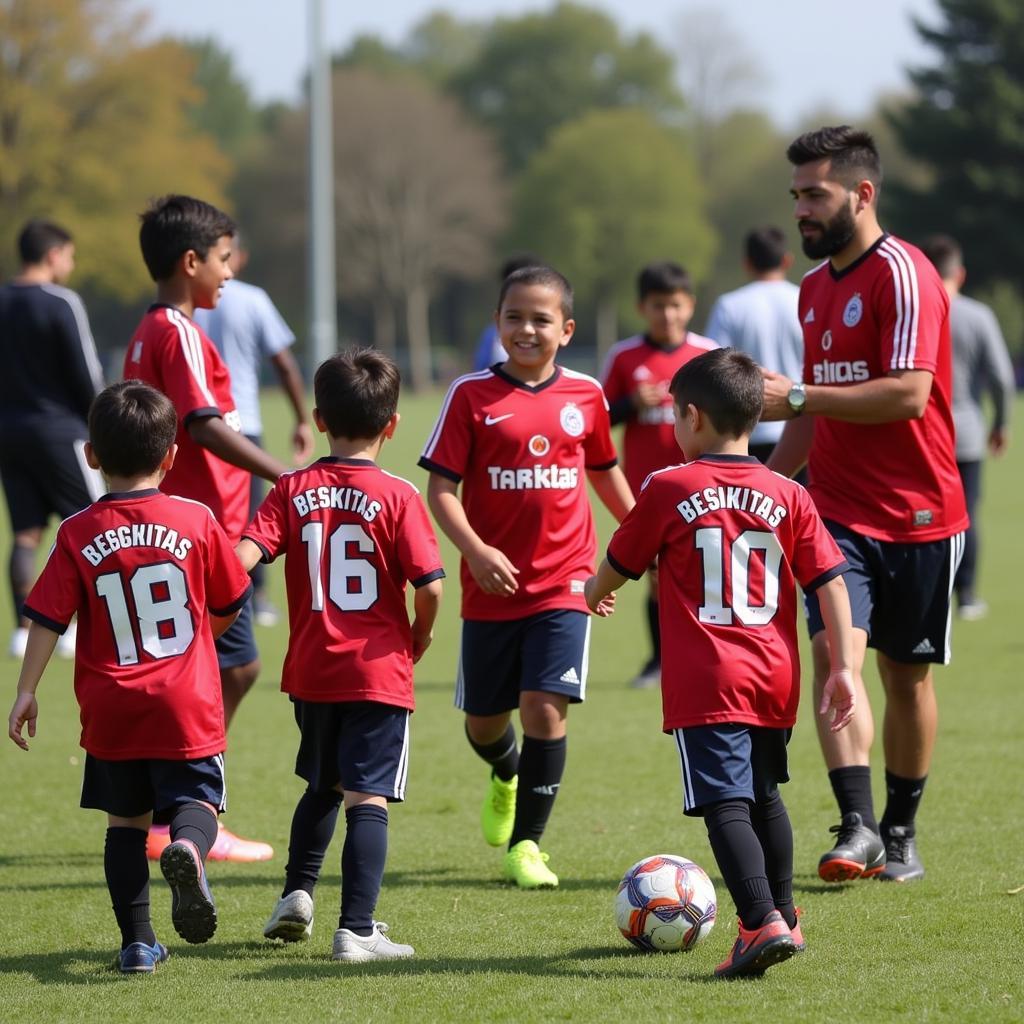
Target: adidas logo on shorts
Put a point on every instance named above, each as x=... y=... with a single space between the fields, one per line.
x=569 y=676
x=924 y=647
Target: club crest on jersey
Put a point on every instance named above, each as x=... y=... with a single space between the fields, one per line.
x=539 y=445
x=854 y=310
x=572 y=419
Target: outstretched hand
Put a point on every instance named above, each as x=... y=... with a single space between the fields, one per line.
x=838 y=699
x=25 y=711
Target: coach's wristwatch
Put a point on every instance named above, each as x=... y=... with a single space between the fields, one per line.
x=797 y=397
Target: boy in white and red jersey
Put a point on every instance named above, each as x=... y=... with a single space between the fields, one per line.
x=352 y=535
x=636 y=377
x=522 y=439
x=873 y=417
x=186 y=244
x=732 y=540
x=152 y=579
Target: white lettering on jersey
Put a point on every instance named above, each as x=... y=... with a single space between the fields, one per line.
x=840 y=371
x=733 y=499
x=656 y=414
x=556 y=478
x=136 y=535
x=347 y=499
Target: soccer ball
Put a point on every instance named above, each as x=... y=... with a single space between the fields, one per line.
x=665 y=903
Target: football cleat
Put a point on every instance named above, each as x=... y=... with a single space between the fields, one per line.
x=757 y=949
x=138 y=958
x=292 y=919
x=528 y=867
x=972 y=609
x=902 y=864
x=241 y=851
x=352 y=948
x=498 y=812
x=859 y=852
x=798 y=935
x=193 y=913
x=264 y=613
x=648 y=678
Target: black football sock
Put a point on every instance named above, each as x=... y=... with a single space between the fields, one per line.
x=22 y=572
x=775 y=833
x=541 y=764
x=313 y=824
x=362 y=866
x=740 y=858
x=654 y=627
x=852 y=787
x=501 y=755
x=903 y=798
x=127 y=871
x=196 y=822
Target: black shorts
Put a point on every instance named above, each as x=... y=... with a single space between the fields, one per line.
x=45 y=474
x=549 y=651
x=130 y=788
x=730 y=761
x=899 y=594
x=237 y=645
x=361 y=745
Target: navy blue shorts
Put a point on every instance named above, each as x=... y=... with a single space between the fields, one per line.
x=730 y=761
x=548 y=651
x=130 y=788
x=237 y=645
x=361 y=745
x=899 y=594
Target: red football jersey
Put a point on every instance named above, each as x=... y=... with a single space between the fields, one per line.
x=520 y=454
x=171 y=353
x=143 y=570
x=352 y=535
x=648 y=441
x=887 y=311
x=732 y=539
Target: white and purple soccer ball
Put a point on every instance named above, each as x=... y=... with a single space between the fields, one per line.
x=665 y=903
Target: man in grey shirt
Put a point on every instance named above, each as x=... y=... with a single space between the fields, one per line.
x=981 y=364
x=761 y=319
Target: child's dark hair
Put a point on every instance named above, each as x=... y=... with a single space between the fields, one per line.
x=546 y=277
x=765 y=248
x=945 y=254
x=853 y=153
x=356 y=392
x=663 y=278
x=726 y=385
x=131 y=427
x=174 y=224
x=38 y=237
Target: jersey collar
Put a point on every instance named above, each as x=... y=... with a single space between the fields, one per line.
x=838 y=275
x=728 y=459
x=146 y=492
x=338 y=460
x=498 y=371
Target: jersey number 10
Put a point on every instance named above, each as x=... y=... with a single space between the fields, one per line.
x=713 y=546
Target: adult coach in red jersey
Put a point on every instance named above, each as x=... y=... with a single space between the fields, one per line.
x=872 y=418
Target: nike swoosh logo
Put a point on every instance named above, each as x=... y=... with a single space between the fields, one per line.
x=490 y=420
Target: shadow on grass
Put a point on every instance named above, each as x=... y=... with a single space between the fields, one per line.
x=49 y=860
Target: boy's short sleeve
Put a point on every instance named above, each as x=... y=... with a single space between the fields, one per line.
x=598 y=447
x=416 y=543
x=816 y=556
x=227 y=583
x=450 y=445
x=637 y=541
x=57 y=594
x=183 y=371
x=269 y=528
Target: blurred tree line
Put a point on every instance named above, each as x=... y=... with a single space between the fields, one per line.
x=553 y=132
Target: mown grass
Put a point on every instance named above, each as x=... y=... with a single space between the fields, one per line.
x=948 y=948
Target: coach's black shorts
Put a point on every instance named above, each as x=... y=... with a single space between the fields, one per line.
x=361 y=745
x=130 y=788
x=237 y=645
x=899 y=594
x=548 y=651
x=45 y=473
x=730 y=761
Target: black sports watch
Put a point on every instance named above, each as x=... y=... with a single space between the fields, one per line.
x=797 y=397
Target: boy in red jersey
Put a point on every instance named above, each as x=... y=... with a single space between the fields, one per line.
x=186 y=244
x=519 y=438
x=353 y=535
x=152 y=579
x=636 y=377
x=873 y=420
x=732 y=540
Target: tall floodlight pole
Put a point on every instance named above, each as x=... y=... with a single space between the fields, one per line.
x=323 y=325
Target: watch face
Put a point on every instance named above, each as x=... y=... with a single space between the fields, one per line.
x=797 y=397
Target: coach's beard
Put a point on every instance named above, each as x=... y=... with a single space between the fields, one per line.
x=835 y=235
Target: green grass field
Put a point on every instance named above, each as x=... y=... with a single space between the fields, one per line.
x=946 y=949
